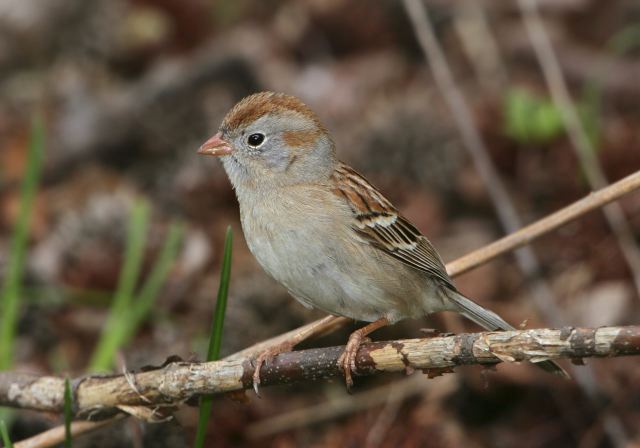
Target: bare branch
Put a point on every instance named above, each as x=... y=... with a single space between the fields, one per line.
x=177 y=382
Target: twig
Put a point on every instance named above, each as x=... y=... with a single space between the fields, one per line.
x=580 y=63
x=474 y=31
x=386 y=417
x=180 y=381
x=349 y=404
x=253 y=350
x=533 y=231
x=580 y=141
x=55 y=436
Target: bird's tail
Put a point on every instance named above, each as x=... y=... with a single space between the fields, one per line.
x=491 y=321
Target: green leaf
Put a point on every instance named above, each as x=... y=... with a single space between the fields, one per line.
x=215 y=341
x=529 y=119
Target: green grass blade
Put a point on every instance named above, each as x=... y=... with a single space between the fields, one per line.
x=221 y=303
x=116 y=324
x=68 y=413
x=6 y=441
x=151 y=288
x=136 y=240
x=215 y=341
x=11 y=289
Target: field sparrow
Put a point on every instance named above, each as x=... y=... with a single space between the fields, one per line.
x=324 y=232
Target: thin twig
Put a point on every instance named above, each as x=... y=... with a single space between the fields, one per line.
x=177 y=382
x=350 y=404
x=474 y=31
x=533 y=231
x=581 y=143
x=55 y=436
x=380 y=428
x=255 y=349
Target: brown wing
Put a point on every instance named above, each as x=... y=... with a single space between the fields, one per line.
x=377 y=220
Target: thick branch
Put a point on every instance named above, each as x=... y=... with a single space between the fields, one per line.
x=179 y=381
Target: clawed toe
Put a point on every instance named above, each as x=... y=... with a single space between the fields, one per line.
x=266 y=357
x=260 y=361
x=347 y=360
x=347 y=366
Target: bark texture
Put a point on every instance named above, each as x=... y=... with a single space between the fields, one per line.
x=144 y=394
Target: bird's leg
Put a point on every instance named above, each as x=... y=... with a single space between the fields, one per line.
x=347 y=361
x=288 y=344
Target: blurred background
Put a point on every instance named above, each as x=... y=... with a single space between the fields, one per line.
x=127 y=90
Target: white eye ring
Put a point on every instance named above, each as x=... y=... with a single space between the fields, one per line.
x=256 y=139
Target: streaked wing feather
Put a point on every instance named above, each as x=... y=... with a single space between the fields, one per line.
x=377 y=221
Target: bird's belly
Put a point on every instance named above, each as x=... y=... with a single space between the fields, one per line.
x=337 y=279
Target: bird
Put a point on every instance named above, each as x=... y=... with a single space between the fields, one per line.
x=325 y=233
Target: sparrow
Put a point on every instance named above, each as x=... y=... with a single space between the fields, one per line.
x=324 y=232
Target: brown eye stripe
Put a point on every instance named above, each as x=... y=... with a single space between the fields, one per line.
x=300 y=139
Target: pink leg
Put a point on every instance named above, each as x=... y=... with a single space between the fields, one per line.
x=347 y=361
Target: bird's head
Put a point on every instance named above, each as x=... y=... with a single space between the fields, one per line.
x=272 y=139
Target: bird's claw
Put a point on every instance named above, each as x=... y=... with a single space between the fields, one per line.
x=347 y=360
x=266 y=357
x=256 y=388
x=261 y=360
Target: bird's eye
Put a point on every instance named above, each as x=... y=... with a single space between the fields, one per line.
x=255 y=140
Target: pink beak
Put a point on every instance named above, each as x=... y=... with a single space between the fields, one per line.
x=215 y=146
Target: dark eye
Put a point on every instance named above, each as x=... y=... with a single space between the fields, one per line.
x=255 y=140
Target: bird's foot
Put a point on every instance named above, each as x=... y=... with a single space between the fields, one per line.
x=347 y=360
x=266 y=357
